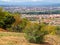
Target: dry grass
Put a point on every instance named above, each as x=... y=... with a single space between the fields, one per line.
x=12 y=38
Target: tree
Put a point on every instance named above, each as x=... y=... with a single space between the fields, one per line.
x=7 y=22
x=6 y=19
x=21 y=25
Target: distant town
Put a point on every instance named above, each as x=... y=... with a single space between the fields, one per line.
x=49 y=15
x=30 y=9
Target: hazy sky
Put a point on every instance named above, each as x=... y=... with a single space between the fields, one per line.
x=23 y=1
x=56 y=1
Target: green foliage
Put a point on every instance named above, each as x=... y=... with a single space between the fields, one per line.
x=43 y=12
x=58 y=27
x=21 y=25
x=9 y=19
x=34 y=33
x=58 y=30
x=50 y=29
x=7 y=22
x=1 y=24
x=6 y=19
x=2 y=14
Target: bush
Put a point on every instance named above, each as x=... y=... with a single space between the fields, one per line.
x=51 y=29
x=21 y=26
x=58 y=30
x=6 y=19
x=34 y=34
x=7 y=22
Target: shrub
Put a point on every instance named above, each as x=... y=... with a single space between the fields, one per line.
x=7 y=22
x=34 y=34
x=50 y=29
x=6 y=19
x=20 y=26
x=58 y=30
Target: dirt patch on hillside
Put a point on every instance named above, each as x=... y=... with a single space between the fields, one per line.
x=2 y=30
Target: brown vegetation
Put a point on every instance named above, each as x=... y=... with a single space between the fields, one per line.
x=3 y=30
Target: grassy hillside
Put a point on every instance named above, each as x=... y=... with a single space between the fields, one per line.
x=12 y=38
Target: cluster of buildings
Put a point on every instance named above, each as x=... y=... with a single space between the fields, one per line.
x=29 y=9
x=52 y=19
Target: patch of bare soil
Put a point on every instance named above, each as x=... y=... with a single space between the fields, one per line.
x=2 y=30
